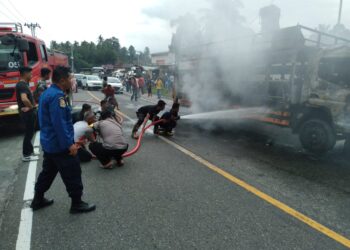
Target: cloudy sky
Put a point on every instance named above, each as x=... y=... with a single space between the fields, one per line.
x=146 y=22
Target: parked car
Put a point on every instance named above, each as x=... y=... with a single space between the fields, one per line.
x=79 y=78
x=116 y=84
x=91 y=82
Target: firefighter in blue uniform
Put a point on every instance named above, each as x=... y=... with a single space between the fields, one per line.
x=57 y=140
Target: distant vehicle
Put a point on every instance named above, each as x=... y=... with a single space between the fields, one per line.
x=97 y=71
x=116 y=84
x=119 y=73
x=91 y=82
x=79 y=78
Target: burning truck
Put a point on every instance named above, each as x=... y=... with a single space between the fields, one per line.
x=301 y=76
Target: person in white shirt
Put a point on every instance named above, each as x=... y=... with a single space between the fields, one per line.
x=83 y=134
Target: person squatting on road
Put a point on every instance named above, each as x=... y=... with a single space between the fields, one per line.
x=79 y=115
x=57 y=141
x=26 y=109
x=170 y=119
x=146 y=113
x=113 y=144
x=83 y=134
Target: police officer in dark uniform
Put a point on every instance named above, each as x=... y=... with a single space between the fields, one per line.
x=57 y=140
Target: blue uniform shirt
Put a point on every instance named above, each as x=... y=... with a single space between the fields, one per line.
x=55 y=119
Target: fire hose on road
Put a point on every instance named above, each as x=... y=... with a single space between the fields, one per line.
x=138 y=144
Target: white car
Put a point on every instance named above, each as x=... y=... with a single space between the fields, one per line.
x=116 y=84
x=91 y=82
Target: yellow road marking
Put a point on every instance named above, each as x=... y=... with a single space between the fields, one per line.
x=276 y=203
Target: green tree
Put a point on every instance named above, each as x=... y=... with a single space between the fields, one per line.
x=104 y=51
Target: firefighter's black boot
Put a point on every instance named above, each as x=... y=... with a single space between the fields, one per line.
x=40 y=201
x=79 y=206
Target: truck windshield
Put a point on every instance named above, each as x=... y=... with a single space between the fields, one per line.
x=10 y=58
x=335 y=70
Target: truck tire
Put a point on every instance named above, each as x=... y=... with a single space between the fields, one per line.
x=317 y=136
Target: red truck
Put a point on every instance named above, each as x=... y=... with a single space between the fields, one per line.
x=18 y=49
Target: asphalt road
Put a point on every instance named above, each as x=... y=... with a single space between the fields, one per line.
x=165 y=199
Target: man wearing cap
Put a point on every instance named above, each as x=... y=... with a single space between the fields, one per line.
x=146 y=113
x=27 y=112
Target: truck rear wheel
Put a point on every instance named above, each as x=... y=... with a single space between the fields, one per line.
x=317 y=136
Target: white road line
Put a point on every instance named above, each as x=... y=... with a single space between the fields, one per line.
x=25 y=229
x=29 y=189
x=37 y=139
x=25 y=226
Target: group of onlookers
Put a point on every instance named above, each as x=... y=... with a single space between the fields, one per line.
x=138 y=85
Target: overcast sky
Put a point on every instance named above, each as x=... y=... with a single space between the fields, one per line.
x=146 y=22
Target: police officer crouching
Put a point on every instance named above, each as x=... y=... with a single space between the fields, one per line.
x=57 y=141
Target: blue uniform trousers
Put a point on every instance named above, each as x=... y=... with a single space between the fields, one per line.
x=69 y=168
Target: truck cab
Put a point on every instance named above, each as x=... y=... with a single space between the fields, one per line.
x=18 y=49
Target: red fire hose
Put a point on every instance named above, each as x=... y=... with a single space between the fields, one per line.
x=138 y=144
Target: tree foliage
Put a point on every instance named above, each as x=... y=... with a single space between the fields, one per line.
x=105 y=51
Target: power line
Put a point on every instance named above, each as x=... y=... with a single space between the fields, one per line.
x=16 y=10
x=9 y=11
x=10 y=18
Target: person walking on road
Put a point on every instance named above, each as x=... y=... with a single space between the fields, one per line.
x=57 y=141
x=146 y=113
x=149 y=84
x=141 y=83
x=159 y=87
x=109 y=93
x=27 y=112
x=135 y=88
x=104 y=82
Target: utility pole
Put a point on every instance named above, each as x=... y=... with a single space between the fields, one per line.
x=340 y=11
x=32 y=27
